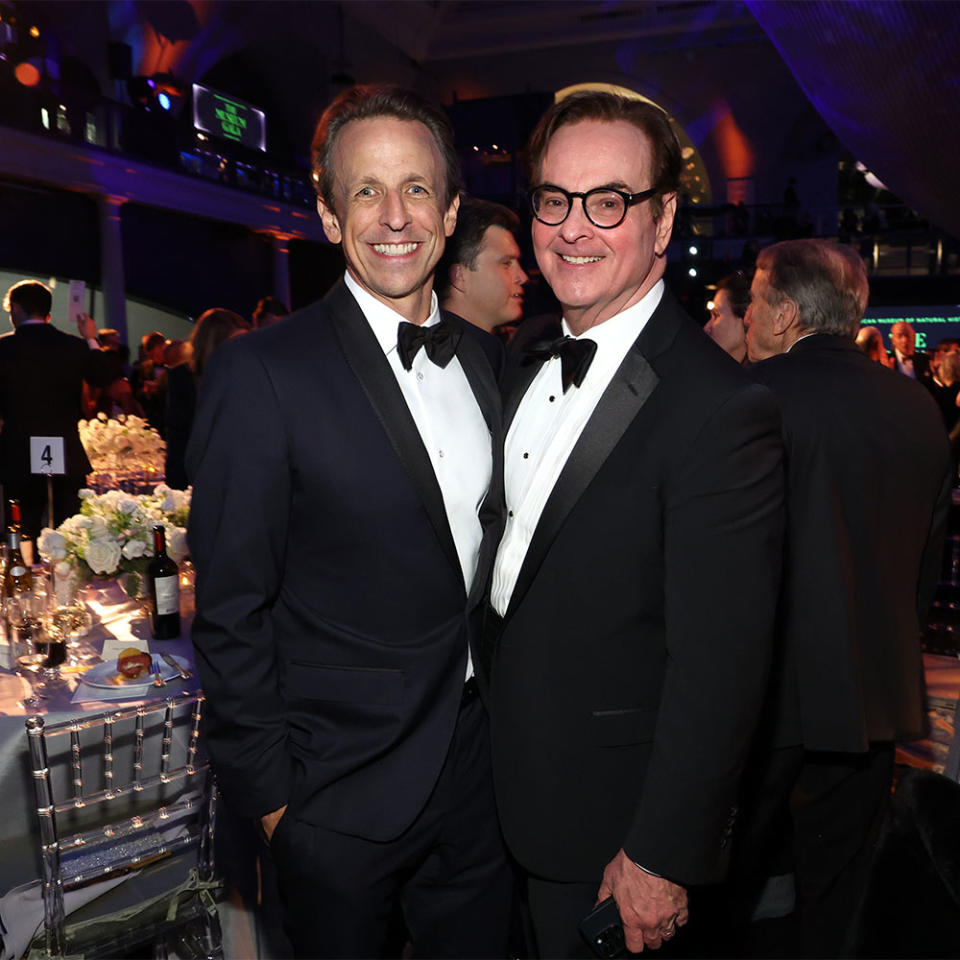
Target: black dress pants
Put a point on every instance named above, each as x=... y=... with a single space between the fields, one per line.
x=825 y=810
x=448 y=871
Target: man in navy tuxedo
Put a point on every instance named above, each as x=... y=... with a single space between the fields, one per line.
x=344 y=518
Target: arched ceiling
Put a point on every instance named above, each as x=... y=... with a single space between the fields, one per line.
x=886 y=78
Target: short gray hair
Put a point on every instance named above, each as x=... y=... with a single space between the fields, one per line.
x=826 y=280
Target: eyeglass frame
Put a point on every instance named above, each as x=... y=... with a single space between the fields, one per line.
x=629 y=199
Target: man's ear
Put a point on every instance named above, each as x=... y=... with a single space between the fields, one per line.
x=450 y=217
x=665 y=222
x=787 y=314
x=457 y=278
x=331 y=225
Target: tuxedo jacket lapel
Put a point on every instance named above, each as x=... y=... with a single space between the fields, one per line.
x=372 y=370
x=628 y=391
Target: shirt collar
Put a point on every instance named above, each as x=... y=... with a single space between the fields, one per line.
x=626 y=324
x=383 y=320
x=803 y=336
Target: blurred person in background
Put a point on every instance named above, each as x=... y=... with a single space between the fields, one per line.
x=269 y=310
x=479 y=276
x=214 y=327
x=729 y=305
x=42 y=372
x=870 y=341
x=174 y=352
x=148 y=383
x=905 y=358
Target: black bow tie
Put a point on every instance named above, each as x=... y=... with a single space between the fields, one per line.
x=575 y=357
x=440 y=341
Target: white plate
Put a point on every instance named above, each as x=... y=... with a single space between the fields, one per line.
x=105 y=674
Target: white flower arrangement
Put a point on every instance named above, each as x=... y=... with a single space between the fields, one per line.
x=123 y=445
x=111 y=533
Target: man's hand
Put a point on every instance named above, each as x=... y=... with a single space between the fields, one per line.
x=269 y=821
x=87 y=326
x=651 y=908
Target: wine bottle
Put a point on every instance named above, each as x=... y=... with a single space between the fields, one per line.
x=17 y=578
x=13 y=513
x=163 y=577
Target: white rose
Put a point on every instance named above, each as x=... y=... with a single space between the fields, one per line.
x=85 y=493
x=52 y=545
x=98 y=528
x=102 y=555
x=134 y=548
x=177 y=543
x=127 y=506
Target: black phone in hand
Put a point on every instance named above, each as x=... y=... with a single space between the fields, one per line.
x=603 y=930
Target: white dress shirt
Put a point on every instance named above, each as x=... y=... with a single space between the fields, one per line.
x=450 y=424
x=545 y=430
x=905 y=364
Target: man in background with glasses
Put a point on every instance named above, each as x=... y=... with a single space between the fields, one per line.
x=633 y=593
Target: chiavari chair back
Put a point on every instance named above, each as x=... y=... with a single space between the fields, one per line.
x=127 y=792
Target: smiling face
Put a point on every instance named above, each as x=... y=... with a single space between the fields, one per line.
x=493 y=288
x=597 y=273
x=389 y=212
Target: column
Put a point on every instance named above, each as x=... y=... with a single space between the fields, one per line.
x=112 y=279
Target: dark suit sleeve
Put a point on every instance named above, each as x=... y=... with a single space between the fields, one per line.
x=723 y=530
x=238 y=528
x=933 y=551
x=180 y=404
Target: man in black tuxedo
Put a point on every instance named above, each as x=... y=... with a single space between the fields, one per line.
x=345 y=514
x=42 y=370
x=866 y=510
x=637 y=576
x=905 y=358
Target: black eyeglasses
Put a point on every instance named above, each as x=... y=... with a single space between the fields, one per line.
x=605 y=207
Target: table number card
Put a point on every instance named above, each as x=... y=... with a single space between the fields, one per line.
x=47 y=456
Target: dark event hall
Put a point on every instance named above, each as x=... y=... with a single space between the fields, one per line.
x=479 y=479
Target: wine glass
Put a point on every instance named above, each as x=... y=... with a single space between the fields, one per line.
x=25 y=647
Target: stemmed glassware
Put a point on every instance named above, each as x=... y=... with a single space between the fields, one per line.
x=30 y=649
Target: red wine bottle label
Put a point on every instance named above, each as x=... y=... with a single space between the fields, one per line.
x=168 y=595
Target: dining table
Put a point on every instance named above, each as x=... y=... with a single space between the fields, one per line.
x=117 y=623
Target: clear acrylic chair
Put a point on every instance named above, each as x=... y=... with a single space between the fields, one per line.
x=126 y=795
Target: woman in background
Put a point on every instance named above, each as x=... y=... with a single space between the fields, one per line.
x=213 y=328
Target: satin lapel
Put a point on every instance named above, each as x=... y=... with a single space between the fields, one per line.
x=520 y=373
x=476 y=368
x=629 y=389
x=372 y=370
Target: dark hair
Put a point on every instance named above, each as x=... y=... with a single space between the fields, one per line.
x=105 y=333
x=148 y=341
x=213 y=327
x=737 y=286
x=474 y=218
x=33 y=297
x=827 y=281
x=271 y=306
x=366 y=102
x=608 y=108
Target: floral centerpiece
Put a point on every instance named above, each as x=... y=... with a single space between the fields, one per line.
x=127 y=447
x=111 y=535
